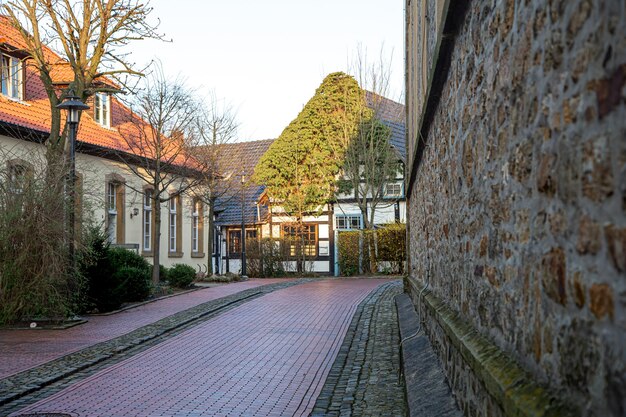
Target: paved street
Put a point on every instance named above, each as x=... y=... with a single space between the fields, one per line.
x=24 y=349
x=269 y=356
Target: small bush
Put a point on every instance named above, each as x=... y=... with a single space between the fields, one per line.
x=121 y=258
x=163 y=273
x=115 y=275
x=134 y=283
x=181 y=275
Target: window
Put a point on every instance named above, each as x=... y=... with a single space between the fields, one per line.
x=349 y=221
x=197 y=229
x=114 y=208
x=112 y=211
x=393 y=190
x=302 y=236
x=174 y=209
x=102 y=109
x=11 y=77
x=147 y=220
x=173 y=223
x=234 y=240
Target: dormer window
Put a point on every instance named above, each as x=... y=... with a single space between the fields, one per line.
x=11 y=77
x=102 y=109
x=393 y=190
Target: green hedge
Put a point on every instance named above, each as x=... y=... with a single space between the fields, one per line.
x=373 y=251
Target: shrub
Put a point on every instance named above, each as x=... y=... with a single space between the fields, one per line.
x=96 y=266
x=121 y=257
x=349 y=244
x=163 y=273
x=181 y=275
x=134 y=283
x=371 y=250
x=35 y=280
x=115 y=275
x=392 y=246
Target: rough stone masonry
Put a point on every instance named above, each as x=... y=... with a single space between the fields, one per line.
x=517 y=209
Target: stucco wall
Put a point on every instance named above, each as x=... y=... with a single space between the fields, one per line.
x=94 y=170
x=517 y=214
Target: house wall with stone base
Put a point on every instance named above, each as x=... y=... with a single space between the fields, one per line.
x=517 y=200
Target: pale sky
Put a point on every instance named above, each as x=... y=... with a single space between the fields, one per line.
x=267 y=57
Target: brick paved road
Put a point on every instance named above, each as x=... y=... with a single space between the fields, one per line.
x=268 y=357
x=24 y=349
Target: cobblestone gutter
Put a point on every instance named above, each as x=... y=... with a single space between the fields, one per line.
x=365 y=379
x=31 y=381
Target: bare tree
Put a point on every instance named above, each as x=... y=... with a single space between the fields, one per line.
x=159 y=137
x=370 y=162
x=216 y=125
x=89 y=35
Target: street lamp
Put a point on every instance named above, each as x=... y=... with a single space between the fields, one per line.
x=74 y=106
x=243 y=227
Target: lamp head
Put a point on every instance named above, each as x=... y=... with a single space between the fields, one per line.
x=74 y=106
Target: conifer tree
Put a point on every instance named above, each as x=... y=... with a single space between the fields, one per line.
x=300 y=168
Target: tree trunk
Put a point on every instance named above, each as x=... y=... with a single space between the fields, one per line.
x=156 y=242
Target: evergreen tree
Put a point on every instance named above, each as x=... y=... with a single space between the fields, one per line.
x=301 y=167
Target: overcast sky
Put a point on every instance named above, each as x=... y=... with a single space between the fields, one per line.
x=267 y=57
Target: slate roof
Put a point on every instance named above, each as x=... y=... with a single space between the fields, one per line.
x=392 y=114
x=233 y=159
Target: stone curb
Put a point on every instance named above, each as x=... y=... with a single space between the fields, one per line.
x=427 y=390
x=34 y=379
x=510 y=385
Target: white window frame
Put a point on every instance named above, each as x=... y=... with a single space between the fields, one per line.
x=12 y=77
x=195 y=227
x=173 y=218
x=147 y=220
x=348 y=221
x=112 y=211
x=102 y=109
x=392 y=193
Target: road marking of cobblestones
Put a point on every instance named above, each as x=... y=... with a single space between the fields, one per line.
x=365 y=377
x=268 y=356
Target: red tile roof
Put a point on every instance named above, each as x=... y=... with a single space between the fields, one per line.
x=34 y=111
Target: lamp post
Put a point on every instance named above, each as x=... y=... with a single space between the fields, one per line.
x=243 y=226
x=74 y=106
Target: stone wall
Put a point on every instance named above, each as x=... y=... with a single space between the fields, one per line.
x=517 y=210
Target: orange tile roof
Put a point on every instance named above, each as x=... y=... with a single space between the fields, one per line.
x=34 y=111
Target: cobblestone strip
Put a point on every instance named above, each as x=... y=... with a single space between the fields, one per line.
x=35 y=379
x=365 y=379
